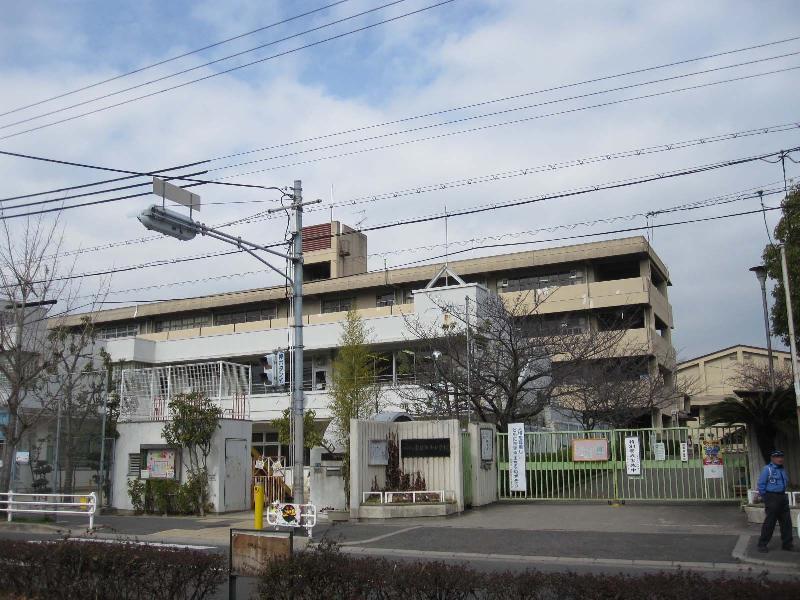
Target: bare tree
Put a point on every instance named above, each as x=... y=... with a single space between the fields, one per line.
x=754 y=377
x=32 y=282
x=78 y=372
x=620 y=391
x=519 y=359
x=28 y=274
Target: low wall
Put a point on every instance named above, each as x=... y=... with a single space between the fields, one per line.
x=440 y=473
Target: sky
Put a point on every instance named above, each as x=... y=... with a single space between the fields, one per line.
x=284 y=119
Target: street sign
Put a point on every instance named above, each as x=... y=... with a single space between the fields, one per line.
x=23 y=458
x=280 y=361
x=176 y=194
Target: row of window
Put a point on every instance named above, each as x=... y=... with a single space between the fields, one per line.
x=538 y=282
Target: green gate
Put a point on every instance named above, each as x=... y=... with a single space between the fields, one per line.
x=602 y=465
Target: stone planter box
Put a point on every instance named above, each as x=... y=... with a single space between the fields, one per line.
x=335 y=516
x=398 y=510
x=755 y=513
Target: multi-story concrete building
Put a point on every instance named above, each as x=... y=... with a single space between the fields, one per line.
x=591 y=285
x=710 y=378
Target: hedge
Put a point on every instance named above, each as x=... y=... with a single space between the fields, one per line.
x=327 y=574
x=69 y=569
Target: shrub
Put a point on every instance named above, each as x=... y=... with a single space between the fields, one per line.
x=72 y=569
x=136 y=494
x=325 y=573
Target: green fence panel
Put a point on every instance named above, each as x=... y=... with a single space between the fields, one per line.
x=591 y=465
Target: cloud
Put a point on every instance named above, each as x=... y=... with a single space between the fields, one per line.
x=455 y=55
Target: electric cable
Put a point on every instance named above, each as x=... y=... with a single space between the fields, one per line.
x=172 y=59
x=229 y=70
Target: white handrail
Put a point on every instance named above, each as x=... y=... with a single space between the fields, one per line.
x=387 y=497
x=10 y=502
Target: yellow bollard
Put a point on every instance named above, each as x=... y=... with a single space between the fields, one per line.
x=258 y=499
x=84 y=501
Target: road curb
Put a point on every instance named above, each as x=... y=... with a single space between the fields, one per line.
x=740 y=553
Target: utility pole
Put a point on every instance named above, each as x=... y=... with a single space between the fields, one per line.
x=298 y=477
x=168 y=222
x=790 y=319
x=761 y=275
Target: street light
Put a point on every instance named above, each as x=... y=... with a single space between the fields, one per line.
x=162 y=220
x=761 y=274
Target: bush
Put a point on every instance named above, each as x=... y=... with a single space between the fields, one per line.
x=136 y=494
x=326 y=574
x=72 y=569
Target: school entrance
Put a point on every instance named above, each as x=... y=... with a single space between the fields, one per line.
x=672 y=464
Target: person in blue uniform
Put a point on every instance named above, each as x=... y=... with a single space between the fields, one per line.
x=772 y=486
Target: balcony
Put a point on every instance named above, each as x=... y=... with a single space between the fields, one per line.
x=569 y=298
x=145 y=393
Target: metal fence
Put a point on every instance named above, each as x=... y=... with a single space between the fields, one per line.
x=145 y=393
x=674 y=464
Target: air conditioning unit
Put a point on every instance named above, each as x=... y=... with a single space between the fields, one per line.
x=503 y=283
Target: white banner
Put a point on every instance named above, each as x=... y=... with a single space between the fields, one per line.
x=633 y=463
x=516 y=457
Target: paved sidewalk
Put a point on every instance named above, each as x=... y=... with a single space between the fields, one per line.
x=701 y=537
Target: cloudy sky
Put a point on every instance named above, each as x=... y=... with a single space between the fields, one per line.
x=286 y=115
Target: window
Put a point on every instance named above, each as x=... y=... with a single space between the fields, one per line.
x=134 y=464
x=246 y=316
x=559 y=324
x=190 y=322
x=331 y=305
x=547 y=280
x=385 y=299
x=118 y=331
x=629 y=317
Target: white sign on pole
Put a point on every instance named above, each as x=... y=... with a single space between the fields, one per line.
x=281 y=362
x=633 y=463
x=176 y=194
x=660 y=451
x=23 y=458
x=684 y=452
x=516 y=457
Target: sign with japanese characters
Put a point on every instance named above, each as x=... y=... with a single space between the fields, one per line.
x=487 y=444
x=378 y=452
x=592 y=449
x=660 y=451
x=633 y=462
x=161 y=464
x=684 y=452
x=424 y=448
x=516 y=457
x=713 y=467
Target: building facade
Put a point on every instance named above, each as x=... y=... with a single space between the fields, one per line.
x=588 y=286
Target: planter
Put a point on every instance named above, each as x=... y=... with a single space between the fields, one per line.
x=755 y=513
x=338 y=515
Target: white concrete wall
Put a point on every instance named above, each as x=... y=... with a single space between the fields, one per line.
x=441 y=473
x=319 y=336
x=327 y=488
x=484 y=475
x=133 y=435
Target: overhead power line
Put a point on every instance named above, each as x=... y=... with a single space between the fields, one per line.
x=173 y=58
x=230 y=70
x=433 y=113
x=472 y=210
x=742 y=195
x=510 y=110
x=195 y=68
x=512 y=122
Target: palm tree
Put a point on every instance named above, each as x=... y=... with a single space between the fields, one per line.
x=766 y=413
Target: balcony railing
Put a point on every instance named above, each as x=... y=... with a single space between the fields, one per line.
x=145 y=393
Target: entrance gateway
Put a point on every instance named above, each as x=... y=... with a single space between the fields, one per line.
x=671 y=464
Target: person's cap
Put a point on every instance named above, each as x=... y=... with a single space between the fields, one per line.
x=777 y=453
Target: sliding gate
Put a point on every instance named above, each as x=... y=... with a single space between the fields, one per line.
x=680 y=463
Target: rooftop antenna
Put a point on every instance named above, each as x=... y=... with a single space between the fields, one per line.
x=331 y=203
